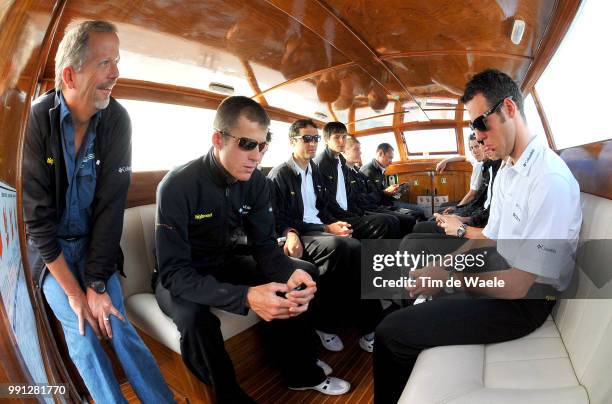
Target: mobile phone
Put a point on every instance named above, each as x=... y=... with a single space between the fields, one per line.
x=403 y=186
x=299 y=287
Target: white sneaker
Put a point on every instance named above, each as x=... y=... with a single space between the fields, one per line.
x=331 y=386
x=326 y=368
x=366 y=342
x=331 y=342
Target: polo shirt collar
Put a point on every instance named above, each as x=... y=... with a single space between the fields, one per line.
x=527 y=159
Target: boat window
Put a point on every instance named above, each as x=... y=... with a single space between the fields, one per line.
x=279 y=149
x=363 y=120
x=165 y=135
x=533 y=118
x=369 y=144
x=425 y=142
x=574 y=87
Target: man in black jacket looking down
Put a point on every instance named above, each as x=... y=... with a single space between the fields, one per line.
x=216 y=247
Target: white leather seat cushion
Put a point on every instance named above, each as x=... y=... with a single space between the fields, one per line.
x=532 y=369
x=137 y=243
x=536 y=368
x=144 y=312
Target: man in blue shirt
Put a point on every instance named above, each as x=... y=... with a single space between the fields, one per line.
x=76 y=173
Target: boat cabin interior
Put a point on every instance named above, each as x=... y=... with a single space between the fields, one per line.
x=391 y=71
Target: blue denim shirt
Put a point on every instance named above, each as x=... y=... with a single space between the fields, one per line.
x=81 y=174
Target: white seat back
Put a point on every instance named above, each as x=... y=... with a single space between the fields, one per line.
x=137 y=243
x=586 y=324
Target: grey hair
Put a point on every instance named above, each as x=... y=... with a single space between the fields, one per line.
x=73 y=50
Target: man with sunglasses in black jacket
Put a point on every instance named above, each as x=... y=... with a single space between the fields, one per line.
x=301 y=209
x=343 y=203
x=216 y=247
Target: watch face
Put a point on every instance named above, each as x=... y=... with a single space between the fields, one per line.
x=98 y=286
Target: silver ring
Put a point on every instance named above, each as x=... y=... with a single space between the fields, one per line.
x=106 y=318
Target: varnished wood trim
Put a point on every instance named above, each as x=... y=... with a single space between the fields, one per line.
x=591 y=164
x=50 y=35
x=398 y=116
x=143 y=188
x=544 y=119
x=459 y=129
x=330 y=109
x=560 y=21
x=414 y=166
x=250 y=75
x=351 y=119
x=458 y=52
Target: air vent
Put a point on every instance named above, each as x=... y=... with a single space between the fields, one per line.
x=221 y=88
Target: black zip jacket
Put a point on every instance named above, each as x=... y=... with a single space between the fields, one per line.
x=203 y=217
x=288 y=200
x=366 y=194
x=378 y=178
x=328 y=168
x=45 y=186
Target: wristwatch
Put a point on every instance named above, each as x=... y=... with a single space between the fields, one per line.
x=461 y=231
x=97 y=286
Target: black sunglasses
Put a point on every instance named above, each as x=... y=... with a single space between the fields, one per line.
x=480 y=123
x=308 y=138
x=248 y=144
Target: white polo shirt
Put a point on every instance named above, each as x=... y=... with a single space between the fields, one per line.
x=341 y=188
x=476 y=178
x=309 y=198
x=535 y=215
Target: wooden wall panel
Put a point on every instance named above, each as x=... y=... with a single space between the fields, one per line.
x=591 y=164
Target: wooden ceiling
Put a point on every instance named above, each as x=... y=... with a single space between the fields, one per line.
x=326 y=56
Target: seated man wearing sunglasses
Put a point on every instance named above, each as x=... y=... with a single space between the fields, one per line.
x=314 y=234
x=216 y=247
x=535 y=205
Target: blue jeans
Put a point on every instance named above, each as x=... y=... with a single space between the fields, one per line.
x=86 y=351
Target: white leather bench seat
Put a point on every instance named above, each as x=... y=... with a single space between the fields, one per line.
x=567 y=360
x=137 y=243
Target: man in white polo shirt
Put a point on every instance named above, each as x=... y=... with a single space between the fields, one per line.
x=535 y=218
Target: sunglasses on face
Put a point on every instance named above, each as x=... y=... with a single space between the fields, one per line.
x=480 y=123
x=308 y=138
x=248 y=144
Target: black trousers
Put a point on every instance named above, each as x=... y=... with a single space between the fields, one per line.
x=428 y=226
x=403 y=334
x=406 y=221
x=338 y=300
x=202 y=346
x=374 y=226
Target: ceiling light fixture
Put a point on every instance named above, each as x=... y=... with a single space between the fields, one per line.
x=221 y=88
x=321 y=115
x=518 y=29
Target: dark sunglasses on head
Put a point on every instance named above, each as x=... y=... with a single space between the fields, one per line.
x=248 y=144
x=308 y=138
x=480 y=123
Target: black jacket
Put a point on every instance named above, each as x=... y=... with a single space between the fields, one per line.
x=377 y=176
x=288 y=200
x=45 y=186
x=204 y=216
x=328 y=168
x=365 y=192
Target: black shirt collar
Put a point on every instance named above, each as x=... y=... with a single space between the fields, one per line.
x=216 y=171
